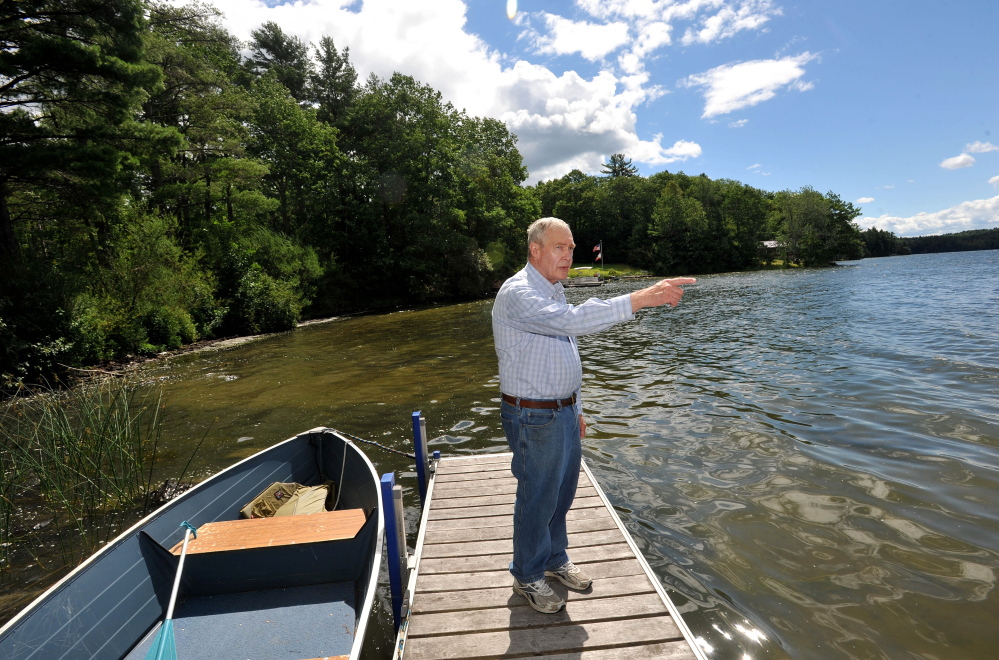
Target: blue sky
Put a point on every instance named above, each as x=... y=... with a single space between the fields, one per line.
x=892 y=105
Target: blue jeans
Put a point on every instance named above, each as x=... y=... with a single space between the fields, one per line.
x=546 y=455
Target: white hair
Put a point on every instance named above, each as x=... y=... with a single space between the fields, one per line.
x=538 y=230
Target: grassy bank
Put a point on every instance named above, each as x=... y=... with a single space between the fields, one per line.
x=609 y=270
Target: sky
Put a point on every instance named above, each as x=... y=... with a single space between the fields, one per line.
x=891 y=104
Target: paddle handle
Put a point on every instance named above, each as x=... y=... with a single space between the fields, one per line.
x=176 y=579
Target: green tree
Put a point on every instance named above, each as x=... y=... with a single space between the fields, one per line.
x=211 y=175
x=972 y=239
x=880 y=243
x=679 y=231
x=301 y=153
x=495 y=208
x=71 y=77
x=618 y=165
x=744 y=210
x=333 y=85
x=409 y=142
x=845 y=241
x=624 y=211
x=815 y=229
x=285 y=55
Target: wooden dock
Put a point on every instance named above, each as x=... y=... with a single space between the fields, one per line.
x=460 y=600
x=587 y=280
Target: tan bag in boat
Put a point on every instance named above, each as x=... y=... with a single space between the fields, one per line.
x=286 y=499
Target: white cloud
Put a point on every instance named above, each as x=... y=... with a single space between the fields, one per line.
x=562 y=120
x=651 y=23
x=591 y=40
x=680 y=151
x=980 y=147
x=957 y=162
x=566 y=122
x=995 y=181
x=977 y=214
x=864 y=200
x=651 y=36
x=730 y=87
x=730 y=20
x=754 y=166
x=739 y=123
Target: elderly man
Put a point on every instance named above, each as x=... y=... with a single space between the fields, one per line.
x=540 y=379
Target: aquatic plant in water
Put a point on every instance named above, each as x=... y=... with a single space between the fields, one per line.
x=76 y=467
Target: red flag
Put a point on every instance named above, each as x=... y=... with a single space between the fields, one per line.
x=596 y=248
x=599 y=256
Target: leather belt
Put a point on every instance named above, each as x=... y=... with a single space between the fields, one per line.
x=531 y=403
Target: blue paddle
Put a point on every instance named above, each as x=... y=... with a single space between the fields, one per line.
x=164 y=646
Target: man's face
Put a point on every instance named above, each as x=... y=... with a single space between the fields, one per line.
x=553 y=258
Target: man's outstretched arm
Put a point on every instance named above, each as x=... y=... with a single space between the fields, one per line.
x=663 y=292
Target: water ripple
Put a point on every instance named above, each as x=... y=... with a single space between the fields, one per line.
x=818 y=451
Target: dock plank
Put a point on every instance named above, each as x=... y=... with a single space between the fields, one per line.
x=501 y=531
x=554 y=639
x=494 y=576
x=678 y=650
x=487 y=475
x=501 y=509
x=445 y=524
x=493 y=486
x=487 y=499
x=503 y=546
x=519 y=615
x=470 y=599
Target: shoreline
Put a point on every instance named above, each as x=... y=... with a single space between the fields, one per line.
x=134 y=363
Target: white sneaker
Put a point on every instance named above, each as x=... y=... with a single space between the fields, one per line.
x=571 y=576
x=539 y=595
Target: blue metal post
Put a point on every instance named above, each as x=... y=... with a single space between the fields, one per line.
x=420 y=445
x=392 y=546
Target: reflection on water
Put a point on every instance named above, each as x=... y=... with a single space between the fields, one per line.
x=807 y=459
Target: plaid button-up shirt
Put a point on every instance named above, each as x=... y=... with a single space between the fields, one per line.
x=534 y=330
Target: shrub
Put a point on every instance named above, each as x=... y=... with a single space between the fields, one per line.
x=263 y=304
x=147 y=301
x=168 y=327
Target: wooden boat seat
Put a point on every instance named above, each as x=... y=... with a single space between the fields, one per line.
x=244 y=534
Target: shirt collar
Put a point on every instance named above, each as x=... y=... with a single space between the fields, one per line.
x=540 y=282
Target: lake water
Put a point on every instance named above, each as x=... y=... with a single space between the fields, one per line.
x=809 y=459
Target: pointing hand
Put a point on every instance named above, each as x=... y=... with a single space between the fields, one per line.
x=663 y=292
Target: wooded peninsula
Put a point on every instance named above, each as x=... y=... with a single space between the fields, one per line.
x=162 y=182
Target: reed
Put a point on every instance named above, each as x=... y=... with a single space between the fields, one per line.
x=76 y=466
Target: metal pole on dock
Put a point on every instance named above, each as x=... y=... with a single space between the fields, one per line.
x=395 y=549
x=420 y=445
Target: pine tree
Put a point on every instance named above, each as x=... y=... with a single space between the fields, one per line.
x=619 y=166
x=72 y=76
x=334 y=85
x=286 y=55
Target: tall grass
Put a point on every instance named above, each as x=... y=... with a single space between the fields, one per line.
x=76 y=466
